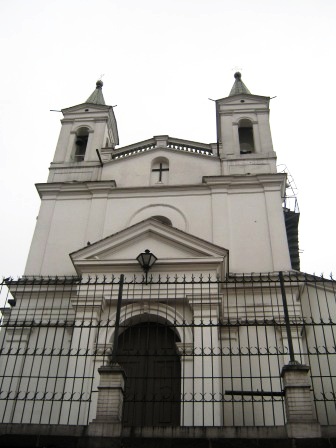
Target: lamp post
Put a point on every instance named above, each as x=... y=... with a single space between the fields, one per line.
x=146 y=260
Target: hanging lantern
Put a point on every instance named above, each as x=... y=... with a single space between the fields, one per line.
x=146 y=260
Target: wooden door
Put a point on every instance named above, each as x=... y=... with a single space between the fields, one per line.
x=147 y=353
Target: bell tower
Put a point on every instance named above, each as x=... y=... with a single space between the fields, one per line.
x=243 y=132
x=86 y=128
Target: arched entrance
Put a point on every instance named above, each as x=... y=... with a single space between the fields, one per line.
x=148 y=355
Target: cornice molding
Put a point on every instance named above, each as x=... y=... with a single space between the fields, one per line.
x=230 y=183
x=246 y=180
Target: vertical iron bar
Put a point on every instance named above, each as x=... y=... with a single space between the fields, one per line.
x=117 y=322
x=65 y=348
x=288 y=329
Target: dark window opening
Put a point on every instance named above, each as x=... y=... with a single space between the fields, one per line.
x=163 y=220
x=160 y=171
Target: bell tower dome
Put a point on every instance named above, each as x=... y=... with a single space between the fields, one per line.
x=243 y=132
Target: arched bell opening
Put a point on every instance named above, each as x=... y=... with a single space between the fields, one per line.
x=246 y=139
x=81 y=141
x=147 y=352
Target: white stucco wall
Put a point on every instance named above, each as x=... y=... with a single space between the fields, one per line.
x=184 y=168
x=240 y=213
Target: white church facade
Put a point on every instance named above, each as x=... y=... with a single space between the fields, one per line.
x=221 y=193
x=162 y=297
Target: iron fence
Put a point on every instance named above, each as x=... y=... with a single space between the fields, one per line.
x=195 y=351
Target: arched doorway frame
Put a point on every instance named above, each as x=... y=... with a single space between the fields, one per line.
x=162 y=314
x=136 y=313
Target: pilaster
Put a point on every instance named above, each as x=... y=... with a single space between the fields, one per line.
x=206 y=389
x=187 y=355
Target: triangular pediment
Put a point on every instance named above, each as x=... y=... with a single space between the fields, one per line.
x=247 y=98
x=83 y=108
x=171 y=246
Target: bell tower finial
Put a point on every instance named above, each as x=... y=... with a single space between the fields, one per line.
x=238 y=86
x=96 y=96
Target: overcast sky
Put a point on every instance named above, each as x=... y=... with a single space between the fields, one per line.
x=161 y=62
